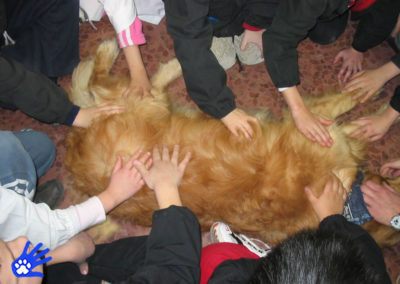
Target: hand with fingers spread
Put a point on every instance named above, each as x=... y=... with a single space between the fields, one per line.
x=85 y=116
x=331 y=200
x=125 y=181
x=351 y=63
x=383 y=201
x=252 y=37
x=165 y=175
x=374 y=127
x=365 y=83
x=391 y=169
x=239 y=121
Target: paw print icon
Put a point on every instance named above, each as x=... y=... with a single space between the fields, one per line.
x=23 y=266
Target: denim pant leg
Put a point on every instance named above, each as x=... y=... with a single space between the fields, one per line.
x=40 y=147
x=19 y=165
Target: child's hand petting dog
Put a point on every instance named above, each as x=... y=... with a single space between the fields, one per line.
x=125 y=181
x=85 y=116
x=331 y=200
x=165 y=175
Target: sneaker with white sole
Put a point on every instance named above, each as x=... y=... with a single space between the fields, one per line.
x=222 y=233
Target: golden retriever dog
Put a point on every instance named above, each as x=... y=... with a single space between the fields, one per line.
x=256 y=186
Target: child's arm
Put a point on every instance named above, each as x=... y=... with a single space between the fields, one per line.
x=123 y=16
x=76 y=250
x=39 y=223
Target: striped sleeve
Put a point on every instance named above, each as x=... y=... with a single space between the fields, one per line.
x=133 y=35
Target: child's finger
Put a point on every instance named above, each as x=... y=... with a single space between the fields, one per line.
x=118 y=165
x=141 y=169
x=135 y=156
x=165 y=153
x=148 y=163
x=175 y=155
x=156 y=153
x=185 y=161
x=310 y=195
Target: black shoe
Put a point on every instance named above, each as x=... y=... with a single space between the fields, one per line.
x=51 y=193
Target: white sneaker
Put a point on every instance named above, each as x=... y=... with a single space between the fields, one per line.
x=224 y=51
x=222 y=233
x=251 y=55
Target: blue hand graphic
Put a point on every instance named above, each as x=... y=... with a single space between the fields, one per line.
x=23 y=265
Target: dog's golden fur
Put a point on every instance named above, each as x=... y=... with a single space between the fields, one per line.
x=256 y=185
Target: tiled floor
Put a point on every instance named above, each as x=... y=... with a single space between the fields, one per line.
x=253 y=89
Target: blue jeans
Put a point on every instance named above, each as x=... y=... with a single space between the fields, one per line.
x=25 y=156
x=355 y=210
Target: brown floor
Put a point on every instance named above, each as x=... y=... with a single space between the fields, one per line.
x=253 y=89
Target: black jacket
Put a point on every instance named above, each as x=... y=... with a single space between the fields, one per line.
x=188 y=24
x=294 y=19
x=34 y=94
x=240 y=271
x=172 y=249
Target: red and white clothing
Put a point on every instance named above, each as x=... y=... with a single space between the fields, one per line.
x=126 y=16
x=123 y=16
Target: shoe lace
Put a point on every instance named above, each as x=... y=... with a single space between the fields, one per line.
x=84 y=17
x=7 y=39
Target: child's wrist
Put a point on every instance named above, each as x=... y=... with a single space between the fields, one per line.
x=390 y=114
x=167 y=195
x=108 y=200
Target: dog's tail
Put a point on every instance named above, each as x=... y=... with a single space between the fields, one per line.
x=92 y=69
x=166 y=73
x=79 y=93
x=105 y=56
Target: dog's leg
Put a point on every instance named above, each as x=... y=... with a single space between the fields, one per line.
x=166 y=73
